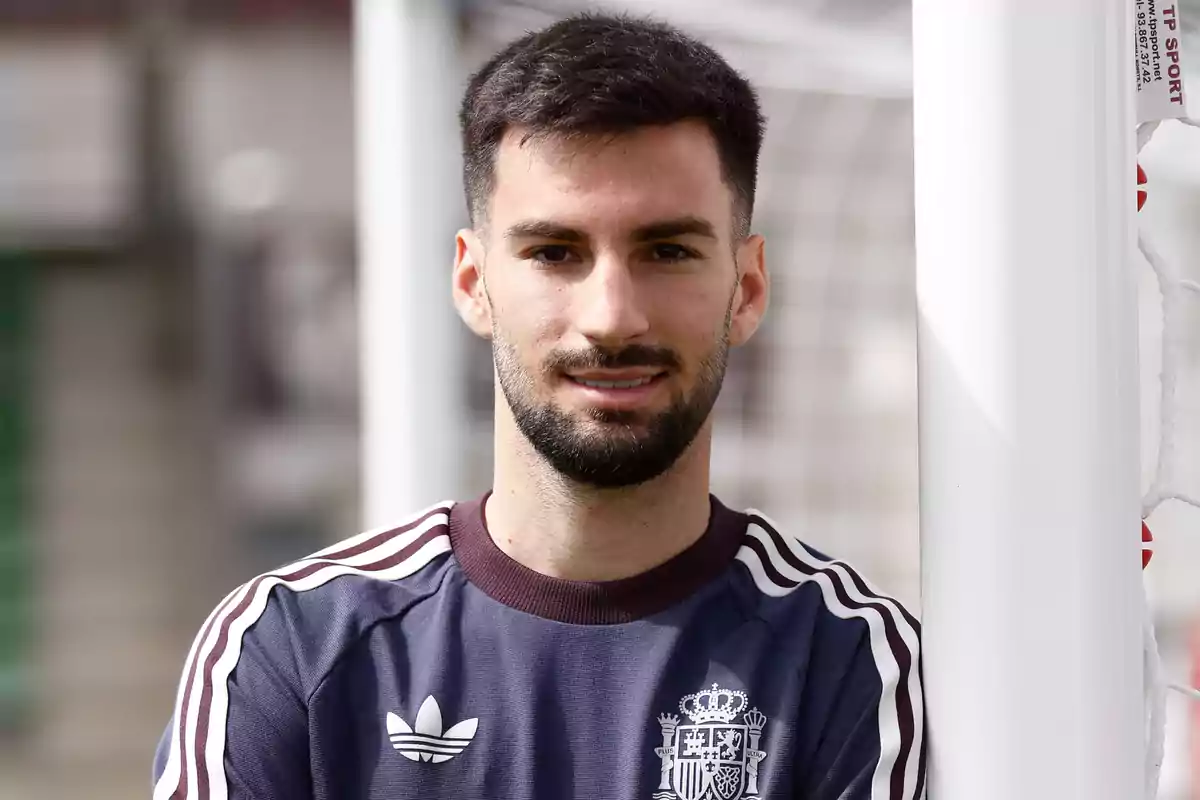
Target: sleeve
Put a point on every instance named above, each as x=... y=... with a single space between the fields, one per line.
x=240 y=725
x=873 y=745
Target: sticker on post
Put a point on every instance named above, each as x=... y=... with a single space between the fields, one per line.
x=1158 y=34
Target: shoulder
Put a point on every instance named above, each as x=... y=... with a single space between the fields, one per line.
x=305 y=613
x=388 y=563
x=261 y=652
x=862 y=644
x=838 y=609
x=782 y=567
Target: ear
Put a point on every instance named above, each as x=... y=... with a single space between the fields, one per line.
x=753 y=290
x=467 y=285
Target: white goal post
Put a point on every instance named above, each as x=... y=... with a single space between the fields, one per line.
x=1032 y=596
x=406 y=85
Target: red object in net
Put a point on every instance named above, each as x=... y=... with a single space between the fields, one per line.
x=1147 y=552
x=1141 y=179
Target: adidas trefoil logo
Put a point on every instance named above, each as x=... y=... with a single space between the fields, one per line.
x=428 y=742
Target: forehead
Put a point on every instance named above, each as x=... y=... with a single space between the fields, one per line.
x=616 y=182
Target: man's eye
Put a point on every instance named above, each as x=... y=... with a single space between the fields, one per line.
x=671 y=252
x=552 y=254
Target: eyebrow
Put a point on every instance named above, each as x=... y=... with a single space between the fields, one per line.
x=543 y=229
x=671 y=228
x=664 y=229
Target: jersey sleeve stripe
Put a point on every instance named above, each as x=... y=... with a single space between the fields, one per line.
x=179 y=773
x=902 y=639
x=210 y=741
x=860 y=583
x=195 y=721
x=765 y=560
x=759 y=554
x=187 y=772
x=898 y=647
x=865 y=589
x=169 y=780
x=782 y=564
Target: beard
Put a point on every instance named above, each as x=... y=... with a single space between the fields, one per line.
x=609 y=449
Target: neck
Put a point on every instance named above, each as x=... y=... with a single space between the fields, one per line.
x=565 y=530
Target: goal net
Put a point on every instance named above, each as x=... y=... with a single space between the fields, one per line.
x=1169 y=300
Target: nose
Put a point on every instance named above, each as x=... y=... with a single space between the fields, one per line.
x=610 y=305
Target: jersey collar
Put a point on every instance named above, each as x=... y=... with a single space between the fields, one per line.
x=592 y=603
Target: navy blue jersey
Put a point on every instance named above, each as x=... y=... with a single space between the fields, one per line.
x=423 y=662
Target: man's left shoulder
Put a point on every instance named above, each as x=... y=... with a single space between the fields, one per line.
x=861 y=651
x=789 y=575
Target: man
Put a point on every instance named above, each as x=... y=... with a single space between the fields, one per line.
x=597 y=626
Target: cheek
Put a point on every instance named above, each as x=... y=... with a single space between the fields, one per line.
x=538 y=318
x=696 y=317
x=518 y=300
x=529 y=332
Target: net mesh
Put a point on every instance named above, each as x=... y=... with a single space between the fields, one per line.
x=1173 y=470
x=1175 y=474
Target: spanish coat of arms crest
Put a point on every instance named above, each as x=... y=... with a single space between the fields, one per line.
x=716 y=755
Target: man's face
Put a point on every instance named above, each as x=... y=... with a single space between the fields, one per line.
x=607 y=277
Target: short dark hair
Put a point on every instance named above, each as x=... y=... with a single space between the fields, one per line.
x=604 y=74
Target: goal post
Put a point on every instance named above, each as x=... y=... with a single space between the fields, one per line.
x=1032 y=596
x=406 y=82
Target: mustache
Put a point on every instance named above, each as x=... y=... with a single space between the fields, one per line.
x=635 y=355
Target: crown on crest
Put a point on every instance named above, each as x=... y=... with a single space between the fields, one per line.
x=713 y=705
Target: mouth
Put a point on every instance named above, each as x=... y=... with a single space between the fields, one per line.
x=629 y=383
x=616 y=389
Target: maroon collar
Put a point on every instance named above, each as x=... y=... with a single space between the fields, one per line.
x=588 y=602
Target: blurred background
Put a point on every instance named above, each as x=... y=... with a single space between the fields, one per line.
x=179 y=396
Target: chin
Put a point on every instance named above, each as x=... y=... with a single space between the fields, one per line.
x=606 y=419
